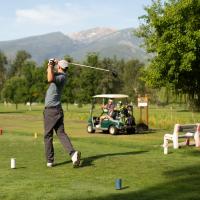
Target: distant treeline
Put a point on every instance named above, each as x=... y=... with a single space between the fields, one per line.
x=22 y=80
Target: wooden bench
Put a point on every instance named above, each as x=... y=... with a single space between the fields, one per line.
x=182 y=131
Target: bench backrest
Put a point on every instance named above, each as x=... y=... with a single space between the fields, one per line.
x=186 y=128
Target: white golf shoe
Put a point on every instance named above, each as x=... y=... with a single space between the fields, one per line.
x=76 y=157
x=49 y=164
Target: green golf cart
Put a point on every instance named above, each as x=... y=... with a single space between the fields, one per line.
x=122 y=119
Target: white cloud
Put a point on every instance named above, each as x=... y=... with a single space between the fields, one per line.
x=68 y=17
x=49 y=15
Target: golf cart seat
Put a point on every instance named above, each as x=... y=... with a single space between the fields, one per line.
x=96 y=120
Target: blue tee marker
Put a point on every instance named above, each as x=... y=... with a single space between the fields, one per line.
x=118 y=184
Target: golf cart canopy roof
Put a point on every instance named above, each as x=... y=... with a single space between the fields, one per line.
x=111 y=96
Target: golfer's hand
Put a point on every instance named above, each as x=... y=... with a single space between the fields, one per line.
x=50 y=65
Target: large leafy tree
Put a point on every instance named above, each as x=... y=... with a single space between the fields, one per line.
x=172 y=33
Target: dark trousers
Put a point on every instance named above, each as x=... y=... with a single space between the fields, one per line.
x=53 y=120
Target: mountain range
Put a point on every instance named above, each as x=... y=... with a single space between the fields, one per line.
x=107 y=42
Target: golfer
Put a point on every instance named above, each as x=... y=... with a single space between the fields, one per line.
x=53 y=113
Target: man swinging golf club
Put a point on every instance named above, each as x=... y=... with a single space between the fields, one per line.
x=53 y=113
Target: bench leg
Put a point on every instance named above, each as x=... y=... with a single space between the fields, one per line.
x=196 y=139
x=165 y=150
x=175 y=143
x=165 y=145
x=187 y=141
x=175 y=136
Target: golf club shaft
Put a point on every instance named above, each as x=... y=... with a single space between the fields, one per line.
x=97 y=68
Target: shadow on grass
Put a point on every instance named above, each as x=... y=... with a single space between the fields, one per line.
x=182 y=184
x=12 y=112
x=183 y=110
x=126 y=187
x=18 y=168
x=148 y=131
x=61 y=163
x=88 y=161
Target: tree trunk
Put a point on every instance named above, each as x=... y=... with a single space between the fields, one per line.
x=30 y=107
x=67 y=106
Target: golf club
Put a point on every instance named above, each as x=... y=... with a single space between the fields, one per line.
x=97 y=68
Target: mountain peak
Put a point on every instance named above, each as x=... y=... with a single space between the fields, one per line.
x=91 y=35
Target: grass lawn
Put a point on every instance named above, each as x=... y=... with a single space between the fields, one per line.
x=137 y=159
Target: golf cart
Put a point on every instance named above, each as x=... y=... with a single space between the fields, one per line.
x=122 y=119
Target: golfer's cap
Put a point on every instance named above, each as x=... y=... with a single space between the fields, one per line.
x=110 y=100
x=63 y=64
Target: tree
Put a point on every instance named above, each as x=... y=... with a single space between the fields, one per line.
x=132 y=85
x=172 y=33
x=14 y=90
x=16 y=67
x=31 y=78
x=68 y=91
x=3 y=62
x=108 y=83
x=87 y=81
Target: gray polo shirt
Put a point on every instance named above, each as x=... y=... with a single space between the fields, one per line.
x=53 y=94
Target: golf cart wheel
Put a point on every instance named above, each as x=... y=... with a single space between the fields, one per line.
x=90 y=129
x=113 y=130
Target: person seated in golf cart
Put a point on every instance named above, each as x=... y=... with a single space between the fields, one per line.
x=108 y=111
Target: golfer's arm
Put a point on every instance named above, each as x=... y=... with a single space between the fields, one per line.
x=50 y=74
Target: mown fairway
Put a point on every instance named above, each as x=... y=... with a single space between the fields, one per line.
x=137 y=159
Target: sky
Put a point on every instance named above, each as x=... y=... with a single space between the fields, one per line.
x=24 y=18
